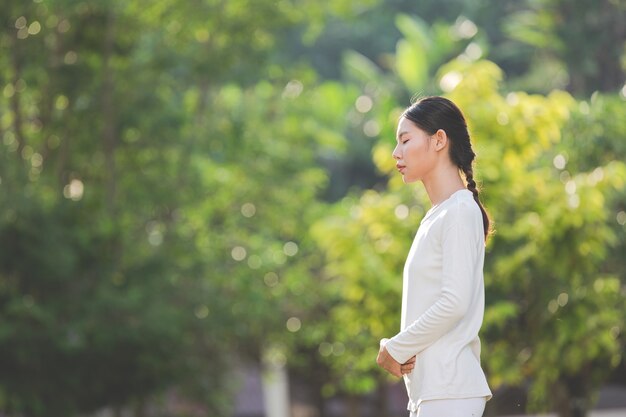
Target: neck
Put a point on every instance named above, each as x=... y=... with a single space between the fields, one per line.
x=442 y=183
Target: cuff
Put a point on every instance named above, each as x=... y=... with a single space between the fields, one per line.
x=399 y=355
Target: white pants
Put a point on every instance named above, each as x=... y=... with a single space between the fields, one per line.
x=458 y=407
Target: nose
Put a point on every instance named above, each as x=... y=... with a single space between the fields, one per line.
x=396 y=153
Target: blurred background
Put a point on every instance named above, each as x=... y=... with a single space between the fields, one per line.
x=200 y=216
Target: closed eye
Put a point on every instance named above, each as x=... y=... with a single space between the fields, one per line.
x=403 y=137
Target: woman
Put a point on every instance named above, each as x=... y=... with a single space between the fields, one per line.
x=438 y=349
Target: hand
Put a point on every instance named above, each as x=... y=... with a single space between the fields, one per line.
x=407 y=366
x=388 y=363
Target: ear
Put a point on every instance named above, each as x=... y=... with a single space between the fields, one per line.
x=441 y=139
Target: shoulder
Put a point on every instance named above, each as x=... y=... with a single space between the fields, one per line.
x=463 y=212
x=461 y=206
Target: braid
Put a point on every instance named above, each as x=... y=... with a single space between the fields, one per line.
x=469 y=178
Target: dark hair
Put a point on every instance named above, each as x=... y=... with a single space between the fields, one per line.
x=433 y=113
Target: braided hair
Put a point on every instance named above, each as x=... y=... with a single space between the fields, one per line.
x=433 y=113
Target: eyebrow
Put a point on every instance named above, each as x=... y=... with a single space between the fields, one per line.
x=399 y=135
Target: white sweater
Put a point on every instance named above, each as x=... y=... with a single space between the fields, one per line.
x=443 y=304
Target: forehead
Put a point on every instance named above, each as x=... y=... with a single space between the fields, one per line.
x=405 y=125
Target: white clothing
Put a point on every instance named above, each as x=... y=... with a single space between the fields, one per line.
x=456 y=407
x=443 y=304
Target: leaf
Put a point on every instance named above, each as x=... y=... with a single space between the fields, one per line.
x=361 y=68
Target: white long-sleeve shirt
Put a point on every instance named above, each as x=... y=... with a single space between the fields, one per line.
x=443 y=304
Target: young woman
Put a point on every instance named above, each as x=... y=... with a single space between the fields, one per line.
x=438 y=349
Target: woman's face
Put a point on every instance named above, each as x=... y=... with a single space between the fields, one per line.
x=415 y=155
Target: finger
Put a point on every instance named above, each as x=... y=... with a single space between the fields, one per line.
x=412 y=360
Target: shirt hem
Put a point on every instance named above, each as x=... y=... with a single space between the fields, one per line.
x=413 y=405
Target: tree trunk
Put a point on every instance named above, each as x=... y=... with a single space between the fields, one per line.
x=139 y=408
x=275 y=384
x=16 y=106
x=320 y=401
x=109 y=116
x=381 y=404
x=571 y=398
x=352 y=403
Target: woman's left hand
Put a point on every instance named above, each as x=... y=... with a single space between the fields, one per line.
x=408 y=366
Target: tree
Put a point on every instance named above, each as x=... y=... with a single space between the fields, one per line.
x=133 y=170
x=586 y=40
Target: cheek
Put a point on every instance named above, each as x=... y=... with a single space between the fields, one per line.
x=416 y=151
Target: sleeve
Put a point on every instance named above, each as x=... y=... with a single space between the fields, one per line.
x=460 y=252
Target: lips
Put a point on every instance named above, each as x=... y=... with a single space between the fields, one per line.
x=400 y=168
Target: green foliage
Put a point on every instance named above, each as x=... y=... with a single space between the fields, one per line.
x=165 y=172
x=422 y=49
x=581 y=37
x=147 y=245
